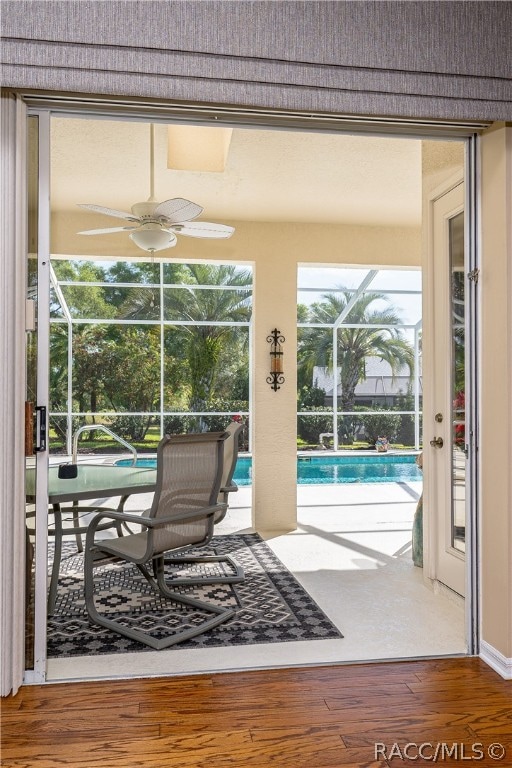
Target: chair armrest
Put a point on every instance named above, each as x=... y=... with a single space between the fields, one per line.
x=190 y=515
x=124 y=517
x=152 y=522
x=229 y=488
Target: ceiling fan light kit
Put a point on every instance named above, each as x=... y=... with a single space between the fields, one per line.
x=151 y=238
x=154 y=225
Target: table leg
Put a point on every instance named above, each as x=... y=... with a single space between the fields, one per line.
x=76 y=524
x=57 y=554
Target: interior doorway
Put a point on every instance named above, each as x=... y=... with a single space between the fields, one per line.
x=298 y=196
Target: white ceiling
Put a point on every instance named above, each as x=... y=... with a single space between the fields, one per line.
x=270 y=175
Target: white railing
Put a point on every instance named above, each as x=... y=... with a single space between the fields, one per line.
x=103 y=428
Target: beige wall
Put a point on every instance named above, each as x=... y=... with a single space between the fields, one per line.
x=275 y=250
x=496 y=388
x=255 y=241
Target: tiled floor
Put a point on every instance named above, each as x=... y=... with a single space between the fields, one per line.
x=351 y=552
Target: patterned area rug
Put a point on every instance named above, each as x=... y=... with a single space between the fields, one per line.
x=271 y=606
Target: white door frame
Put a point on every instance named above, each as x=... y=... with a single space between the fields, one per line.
x=39 y=672
x=429 y=426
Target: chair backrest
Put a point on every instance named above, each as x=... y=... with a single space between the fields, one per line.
x=230 y=453
x=229 y=463
x=189 y=473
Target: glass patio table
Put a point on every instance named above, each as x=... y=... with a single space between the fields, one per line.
x=93 y=481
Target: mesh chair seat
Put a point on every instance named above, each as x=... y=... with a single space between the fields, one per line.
x=130 y=548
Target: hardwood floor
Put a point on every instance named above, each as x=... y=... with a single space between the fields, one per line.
x=291 y=718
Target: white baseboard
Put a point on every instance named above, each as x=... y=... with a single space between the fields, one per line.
x=496 y=660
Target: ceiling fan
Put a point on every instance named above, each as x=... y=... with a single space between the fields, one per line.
x=154 y=225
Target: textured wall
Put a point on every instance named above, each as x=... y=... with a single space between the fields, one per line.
x=496 y=376
x=418 y=59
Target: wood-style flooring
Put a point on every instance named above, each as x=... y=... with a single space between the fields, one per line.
x=315 y=717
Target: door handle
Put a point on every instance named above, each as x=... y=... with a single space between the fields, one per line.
x=437 y=442
x=40 y=428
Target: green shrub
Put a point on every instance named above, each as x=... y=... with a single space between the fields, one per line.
x=308 y=397
x=215 y=423
x=309 y=428
x=131 y=427
x=406 y=433
x=381 y=425
x=175 y=425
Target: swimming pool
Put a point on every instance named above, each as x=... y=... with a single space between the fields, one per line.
x=324 y=470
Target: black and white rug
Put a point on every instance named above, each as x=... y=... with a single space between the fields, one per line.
x=271 y=606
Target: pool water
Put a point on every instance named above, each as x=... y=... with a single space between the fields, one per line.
x=357 y=469
x=318 y=470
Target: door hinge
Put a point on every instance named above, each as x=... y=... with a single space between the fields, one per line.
x=474 y=275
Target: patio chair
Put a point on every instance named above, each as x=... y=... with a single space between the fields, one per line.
x=227 y=485
x=189 y=471
x=232 y=573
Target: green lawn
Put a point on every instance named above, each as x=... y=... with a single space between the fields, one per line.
x=103 y=444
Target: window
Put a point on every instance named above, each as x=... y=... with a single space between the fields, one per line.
x=364 y=325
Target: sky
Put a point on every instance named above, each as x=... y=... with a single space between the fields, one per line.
x=325 y=279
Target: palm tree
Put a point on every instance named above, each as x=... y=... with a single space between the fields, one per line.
x=354 y=345
x=82 y=303
x=206 y=345
x=204 y=348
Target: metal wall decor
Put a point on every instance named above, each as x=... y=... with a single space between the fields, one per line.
x=276 y=377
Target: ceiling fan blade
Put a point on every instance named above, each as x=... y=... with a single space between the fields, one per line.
x=203 y=229
x=178 y=209
x=106 y=231
x=108 y=211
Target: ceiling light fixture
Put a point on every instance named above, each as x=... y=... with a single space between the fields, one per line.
x=151 y=238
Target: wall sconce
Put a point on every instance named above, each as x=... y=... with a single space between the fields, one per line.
x=276 y=360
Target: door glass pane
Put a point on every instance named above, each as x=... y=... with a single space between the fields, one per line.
x=458 y=419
